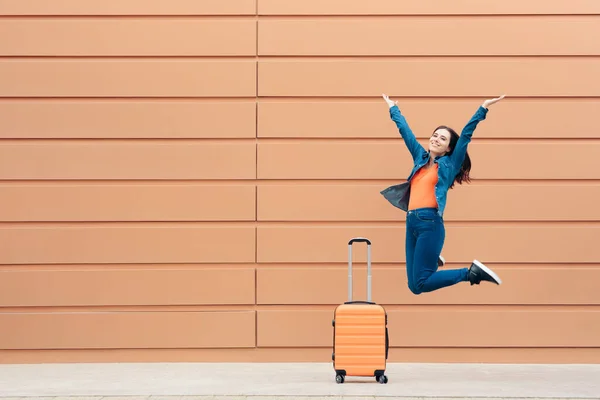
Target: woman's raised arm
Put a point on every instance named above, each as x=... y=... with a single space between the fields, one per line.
x=411 y=142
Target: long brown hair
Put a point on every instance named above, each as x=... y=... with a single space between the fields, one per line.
x=465 y=168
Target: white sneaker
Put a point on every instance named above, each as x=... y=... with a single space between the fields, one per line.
x=479 y=272
x=441 y=261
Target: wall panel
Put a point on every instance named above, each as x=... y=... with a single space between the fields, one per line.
x=565 y=284
x=389 y=159
x=127 y=243
x=107 y=119
x=127 y=78
x=526 y=355
x=416 y=7
x=386 y=36
x=431 y=77
x=491 y=243
x=128 y=7
x=127 y=202
x=324 y=118
x=128 y=37
x=422 y=328
x=88 y=285
x=90 y=160
x=354 y=202
x=129 y=330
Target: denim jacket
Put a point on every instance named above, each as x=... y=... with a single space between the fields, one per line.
x=448 y=165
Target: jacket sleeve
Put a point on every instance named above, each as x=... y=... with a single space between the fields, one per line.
x=411 y=142
x=460 y=150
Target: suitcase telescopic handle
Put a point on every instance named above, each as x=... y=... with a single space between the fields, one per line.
x=359 y=240
x=350 y=243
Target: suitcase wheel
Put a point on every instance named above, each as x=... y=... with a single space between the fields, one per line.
x=381 y=379
x=339 y=378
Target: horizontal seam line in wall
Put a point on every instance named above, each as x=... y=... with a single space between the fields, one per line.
x=191 y=266
x=284 y=140
x=299 y=16
x=217 y=16
x=268 y=99
x=404 y=57
x=285 y=181
x=290 y=224
x=266 y=265
x=126 y=98
x=398 y=139
x=248 y=307
x=399 y=223
x=129 y=140
x=267 y=16
x=53 y=182
x=297 y=57
x=251 y=308
x=414 y=57
x=288 y=98
x=374 y=98
x=250 y=57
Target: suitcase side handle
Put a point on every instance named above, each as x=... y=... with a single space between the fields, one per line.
x=350 y=243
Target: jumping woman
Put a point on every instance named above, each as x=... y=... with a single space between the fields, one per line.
x=423 y=197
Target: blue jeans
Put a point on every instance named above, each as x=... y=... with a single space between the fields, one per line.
x=425 y=234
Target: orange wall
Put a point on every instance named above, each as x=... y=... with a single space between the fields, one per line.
x=179 y=179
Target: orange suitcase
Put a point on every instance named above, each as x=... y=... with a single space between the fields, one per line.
x=360 y=334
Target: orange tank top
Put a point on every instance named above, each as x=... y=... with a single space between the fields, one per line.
x=422 y=188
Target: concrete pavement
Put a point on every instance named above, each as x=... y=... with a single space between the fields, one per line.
x=171 y=381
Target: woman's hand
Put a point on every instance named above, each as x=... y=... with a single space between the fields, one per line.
x=389 y=102
x=489 y=102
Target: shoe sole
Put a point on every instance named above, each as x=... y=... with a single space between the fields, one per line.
x=442 y=260
x=488 y=271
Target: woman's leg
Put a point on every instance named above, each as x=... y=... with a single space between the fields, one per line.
x=409 y=248
x=430 y=236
